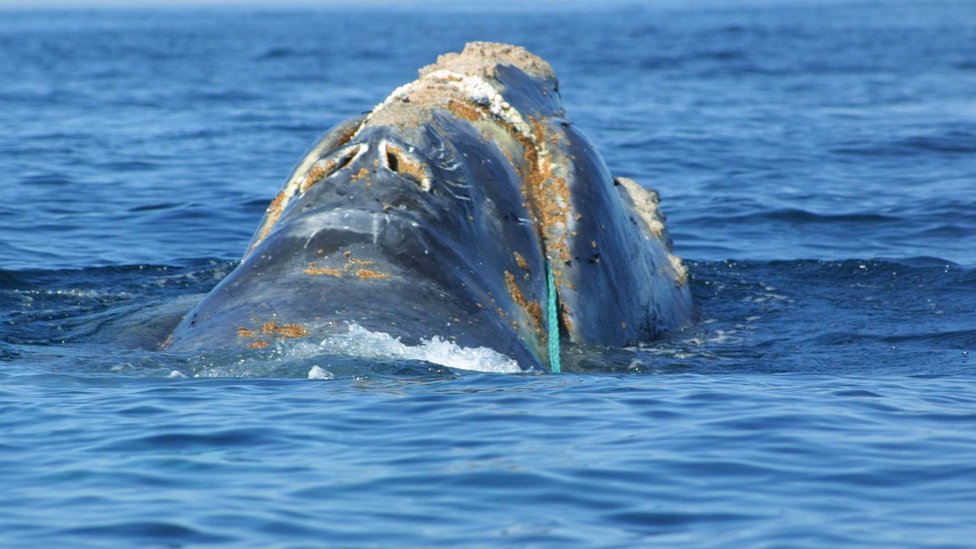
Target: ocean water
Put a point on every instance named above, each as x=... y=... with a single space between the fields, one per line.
x=817 y=162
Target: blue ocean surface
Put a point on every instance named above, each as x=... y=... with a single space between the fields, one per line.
x=817 y=162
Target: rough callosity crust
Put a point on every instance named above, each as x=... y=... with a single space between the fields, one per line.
x=469 y=77
x=645 y=203
x=482 y=58
x=412 y=105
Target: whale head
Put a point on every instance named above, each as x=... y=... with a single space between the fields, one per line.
x=457 y=208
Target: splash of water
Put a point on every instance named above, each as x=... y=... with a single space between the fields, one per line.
x=360 y=342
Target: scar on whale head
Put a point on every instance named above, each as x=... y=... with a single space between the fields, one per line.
x=465 y=207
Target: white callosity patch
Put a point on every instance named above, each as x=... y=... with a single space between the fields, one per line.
x=680 y=271
x=645 y=203
x=359 y=341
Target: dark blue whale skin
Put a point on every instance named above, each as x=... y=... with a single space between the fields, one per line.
x=438 y=214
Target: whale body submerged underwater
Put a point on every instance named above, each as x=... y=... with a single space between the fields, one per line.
x=466 y=208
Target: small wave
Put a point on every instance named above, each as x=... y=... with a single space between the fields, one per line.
x=958 y=339
x=951 y=142
x=157 y=206
x=48 y=178
x=944 y=230
x=277 y=53
x=127 y=166
x=804 y=216
x=800 y=216
x=149 y=531
x=9 y=280
x=680 y=60
x=962 y=142
x=223 y=96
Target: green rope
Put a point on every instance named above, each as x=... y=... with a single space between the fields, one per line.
x=553 y=319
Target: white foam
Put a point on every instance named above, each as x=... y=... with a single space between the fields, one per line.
x=359 y=341
x=316 y=372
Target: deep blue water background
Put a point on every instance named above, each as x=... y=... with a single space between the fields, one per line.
x=818 y=166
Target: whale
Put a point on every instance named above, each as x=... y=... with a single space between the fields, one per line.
x=466 y=208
